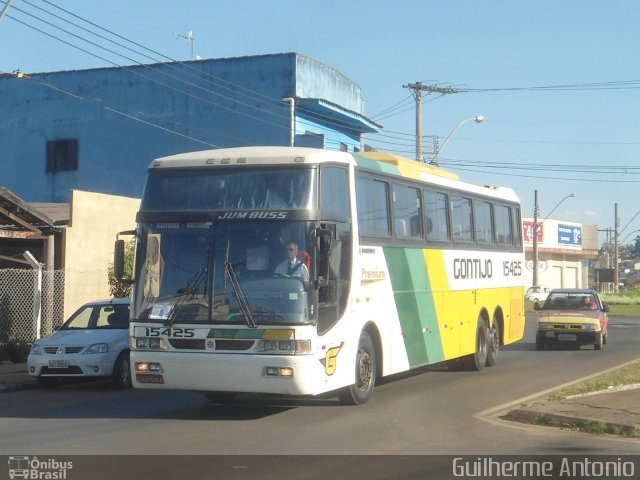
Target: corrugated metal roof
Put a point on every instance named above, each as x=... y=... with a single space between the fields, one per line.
x=16 y=215
x=58 y=212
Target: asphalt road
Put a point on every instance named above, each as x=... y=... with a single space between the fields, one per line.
x=428 y=412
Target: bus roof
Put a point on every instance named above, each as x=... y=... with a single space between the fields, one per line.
x=374 y=161
x=252 y=156
x=404 y=167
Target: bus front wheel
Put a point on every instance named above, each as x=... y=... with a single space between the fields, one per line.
x=360 y=392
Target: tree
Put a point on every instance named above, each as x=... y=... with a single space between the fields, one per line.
x=118 y=288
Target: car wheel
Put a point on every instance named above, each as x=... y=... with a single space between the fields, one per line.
x=540 y=345
x=121 y=377
x=599 y=341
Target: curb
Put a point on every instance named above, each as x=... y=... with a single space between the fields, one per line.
x=547 y=419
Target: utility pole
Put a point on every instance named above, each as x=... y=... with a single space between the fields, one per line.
x=536 y=215
x=417 y=89
x=5 y=9
x=616 y=235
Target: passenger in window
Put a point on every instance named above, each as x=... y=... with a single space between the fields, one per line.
x=292 y=266
x=590 y=303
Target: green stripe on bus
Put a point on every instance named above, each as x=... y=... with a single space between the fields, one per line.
x=415 y=305
x=376 y=166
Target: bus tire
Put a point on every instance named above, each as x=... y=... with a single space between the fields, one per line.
x=494 y=343
x=361 y=391
x=477 y=360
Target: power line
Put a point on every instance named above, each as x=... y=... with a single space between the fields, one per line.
x=226 y=85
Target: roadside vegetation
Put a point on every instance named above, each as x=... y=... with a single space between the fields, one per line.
x=14 y=351
x=629 y=375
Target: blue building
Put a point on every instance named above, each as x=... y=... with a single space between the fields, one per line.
x=97 y=130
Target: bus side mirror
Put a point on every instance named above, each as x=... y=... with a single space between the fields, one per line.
x=118 y=259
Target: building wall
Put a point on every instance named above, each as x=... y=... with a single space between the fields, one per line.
x=89 y=239
x=110 y=111
x=563 y=250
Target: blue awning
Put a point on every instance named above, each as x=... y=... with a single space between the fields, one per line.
x=330 y=112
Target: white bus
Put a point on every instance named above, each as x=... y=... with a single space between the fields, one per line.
x=397 y=265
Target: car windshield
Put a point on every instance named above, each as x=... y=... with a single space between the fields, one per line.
x=107 y=316
x=570 y=301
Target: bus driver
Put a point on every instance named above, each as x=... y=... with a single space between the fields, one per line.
x=292 y=267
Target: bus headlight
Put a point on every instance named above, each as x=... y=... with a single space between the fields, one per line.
x=287 y=346
x=146 y=343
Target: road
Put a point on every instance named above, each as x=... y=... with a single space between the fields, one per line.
x=432 y=411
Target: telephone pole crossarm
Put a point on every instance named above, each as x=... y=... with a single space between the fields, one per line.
x=417 y=89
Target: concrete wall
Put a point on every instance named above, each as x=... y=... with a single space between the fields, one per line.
x=89 y=240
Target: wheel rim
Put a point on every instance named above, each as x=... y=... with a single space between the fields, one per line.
x=365 y=370
x=495 y=339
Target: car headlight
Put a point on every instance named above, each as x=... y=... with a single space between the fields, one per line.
x=590 y=326
x=35 y=349
x=545 y=326
x=98 y=348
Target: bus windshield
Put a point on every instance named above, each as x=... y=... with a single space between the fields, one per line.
x=224 y=273
x=230 y=189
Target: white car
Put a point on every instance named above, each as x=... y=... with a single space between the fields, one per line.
x=93 y=342
x=537 y=294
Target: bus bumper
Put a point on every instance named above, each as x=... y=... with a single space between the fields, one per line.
x=280 y=374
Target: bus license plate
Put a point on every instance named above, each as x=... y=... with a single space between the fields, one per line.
x=566 y=337
x=58 y=364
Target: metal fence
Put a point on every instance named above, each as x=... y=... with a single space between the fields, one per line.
x=29 y=304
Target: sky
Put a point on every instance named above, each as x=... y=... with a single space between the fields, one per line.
x=558 y=82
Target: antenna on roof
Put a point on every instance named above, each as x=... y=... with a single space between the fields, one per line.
x=189 y=38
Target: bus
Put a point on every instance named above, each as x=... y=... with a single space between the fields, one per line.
x=399 y=265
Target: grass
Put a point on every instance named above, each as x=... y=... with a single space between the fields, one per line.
x=624 y=376
x=541 y=419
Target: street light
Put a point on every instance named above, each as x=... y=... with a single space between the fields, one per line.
x=477 y=119
x=536 y=225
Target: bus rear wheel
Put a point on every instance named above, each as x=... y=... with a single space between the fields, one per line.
x=360 y=392
x=494 y=343
x=477 y=360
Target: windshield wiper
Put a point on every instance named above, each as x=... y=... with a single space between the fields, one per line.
x=230 y=270
x=186 y=294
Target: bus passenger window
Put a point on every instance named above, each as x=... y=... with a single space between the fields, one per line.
x=436 y=206
x=407 y=212
x=461 y=211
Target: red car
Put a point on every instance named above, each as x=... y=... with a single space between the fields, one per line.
x=572 y=317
